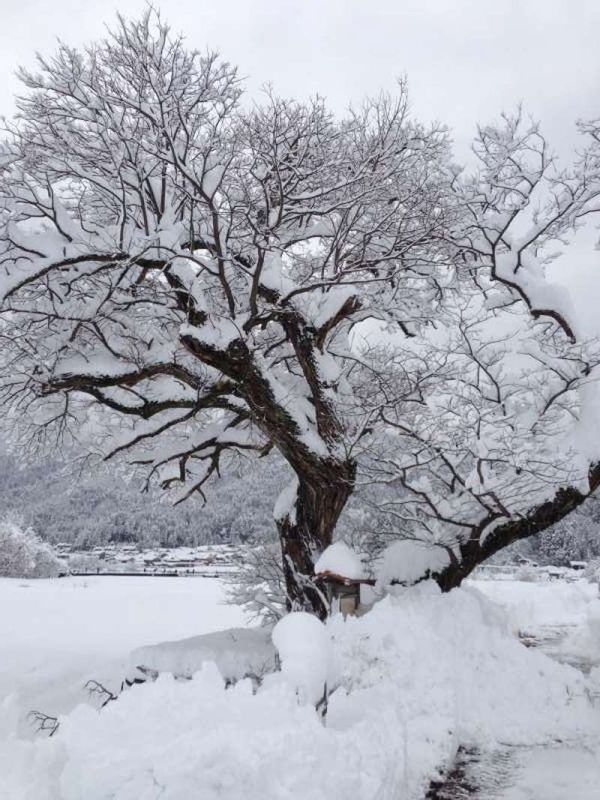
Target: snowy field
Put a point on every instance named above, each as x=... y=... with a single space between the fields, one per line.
x=57 y=634
x=410 y=682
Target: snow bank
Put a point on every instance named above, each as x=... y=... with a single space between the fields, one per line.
x=237 y=653
x=533 y=608
x=411 y=679
x=341 y=560
x=531 y=605
x=409 y=560
x=59 y=633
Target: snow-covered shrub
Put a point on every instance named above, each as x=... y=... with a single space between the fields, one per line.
x=24 y=555
x=409 y=561
x=305 y=651
x=237 y=652
x=257 y=582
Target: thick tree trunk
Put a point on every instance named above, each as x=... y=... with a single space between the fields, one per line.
x=325 y=482
x=480 y=546
x=306 y=529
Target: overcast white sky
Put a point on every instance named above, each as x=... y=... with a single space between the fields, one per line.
x=466 y=60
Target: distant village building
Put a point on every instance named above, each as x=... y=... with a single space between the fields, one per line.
x=578 y=565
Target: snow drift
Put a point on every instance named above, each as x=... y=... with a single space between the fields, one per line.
x=411 y=680
x=238 y=653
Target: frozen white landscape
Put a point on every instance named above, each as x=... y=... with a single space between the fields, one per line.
x=413 y=680
x=62 y=632
x=299 y=400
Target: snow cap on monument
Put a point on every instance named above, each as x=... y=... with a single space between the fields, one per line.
x=340 y=559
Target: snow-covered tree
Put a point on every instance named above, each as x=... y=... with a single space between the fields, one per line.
x=258 y=582
x=183 y=277
x=24 y=555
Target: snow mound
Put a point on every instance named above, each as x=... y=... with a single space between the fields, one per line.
x=536 y=604
x=410 y=560
x=341 y=560
x=237 y=653
x=570 y=611
x=413 y=678
x=304 y=646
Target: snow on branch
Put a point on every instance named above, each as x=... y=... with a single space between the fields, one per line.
x=182 y=275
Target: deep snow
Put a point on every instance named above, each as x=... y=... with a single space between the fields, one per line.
x=411 y=680
x=539 y=610
x=56 y=634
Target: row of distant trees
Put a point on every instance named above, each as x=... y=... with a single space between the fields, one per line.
x=576 y=538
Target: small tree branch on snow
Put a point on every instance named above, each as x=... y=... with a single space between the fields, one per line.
x=96 y=689
x=44 y=722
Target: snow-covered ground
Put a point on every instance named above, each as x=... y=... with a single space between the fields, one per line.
x=563 y=618
x=532 y=604
x=558 y=772
x=409 y=682
x=57 y=634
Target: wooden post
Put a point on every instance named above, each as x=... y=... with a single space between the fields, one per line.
x=343 y=593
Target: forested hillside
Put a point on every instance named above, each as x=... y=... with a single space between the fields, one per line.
x=88 y=510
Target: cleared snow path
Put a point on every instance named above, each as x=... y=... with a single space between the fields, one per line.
x=556 y=771
x=475 y=774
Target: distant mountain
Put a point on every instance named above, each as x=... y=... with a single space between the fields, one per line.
x=101 y=508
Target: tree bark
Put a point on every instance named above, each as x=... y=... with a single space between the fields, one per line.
x=307 y=529
x=325 y=482
x=477 y=549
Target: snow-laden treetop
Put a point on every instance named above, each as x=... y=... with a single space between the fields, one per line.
x=183 y=276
